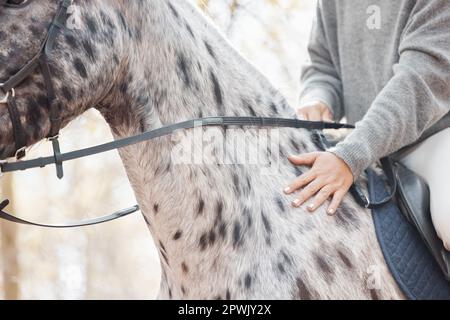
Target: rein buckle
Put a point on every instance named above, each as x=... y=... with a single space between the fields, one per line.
x=21 y=153
x=4 y=99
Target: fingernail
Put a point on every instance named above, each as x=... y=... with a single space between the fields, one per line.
x=287 y=190
x=330 y=211
x=311 y=207
x=297 y=203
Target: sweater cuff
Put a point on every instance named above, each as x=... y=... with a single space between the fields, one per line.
x=355 y=158
x=319 y=94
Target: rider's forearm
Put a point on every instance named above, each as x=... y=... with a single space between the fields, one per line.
x=416 y=98
x=320 y=80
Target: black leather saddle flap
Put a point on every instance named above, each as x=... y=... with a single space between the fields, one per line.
x=413 y=196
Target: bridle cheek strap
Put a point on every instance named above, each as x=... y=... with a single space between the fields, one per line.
x=18 y=132
x=55 y=116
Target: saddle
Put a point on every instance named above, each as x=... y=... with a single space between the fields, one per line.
x=410 y=195
x=413 y=200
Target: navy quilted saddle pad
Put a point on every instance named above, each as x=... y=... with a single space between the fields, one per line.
x=407 y=256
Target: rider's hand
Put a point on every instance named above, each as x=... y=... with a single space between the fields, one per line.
x=315 y=111
x=329 y=177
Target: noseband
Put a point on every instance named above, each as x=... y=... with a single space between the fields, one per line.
x=39 y=60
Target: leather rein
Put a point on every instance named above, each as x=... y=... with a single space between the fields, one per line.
x=58 y=158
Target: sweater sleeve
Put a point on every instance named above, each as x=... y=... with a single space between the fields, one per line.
x=416 y=97
x=320 y=78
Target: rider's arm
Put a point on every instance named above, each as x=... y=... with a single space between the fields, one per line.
x=417 y=96
x=320 y=78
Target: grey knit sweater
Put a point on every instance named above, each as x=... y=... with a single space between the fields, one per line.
x=384 y=65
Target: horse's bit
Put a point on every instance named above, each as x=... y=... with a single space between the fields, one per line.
x=58 y=158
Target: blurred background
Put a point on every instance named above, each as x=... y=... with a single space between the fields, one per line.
x=118 y=260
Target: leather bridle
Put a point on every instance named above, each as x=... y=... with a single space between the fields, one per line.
x=58 y=158
x=40 y=60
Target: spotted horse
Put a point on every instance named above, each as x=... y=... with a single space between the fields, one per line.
x=223 y=231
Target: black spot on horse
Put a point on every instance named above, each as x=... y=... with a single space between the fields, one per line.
x=177 y=235
x=280 y=267
x=236 y=183
x=248 y=216
x=87 y=46
x=107 y=22
x=183 y=66
x=347 y=217
x=280 y=204
x=219 y=211
x=223 y=230
x=67 y=93
x=71 y=41
x=203 y=241
x=155 y=208
x=295 y=145
x=122 y=20
x=248 y=281
x=303 y=291
x=297 y=171
x=237 y=235
x=374 y=294
x=325 y=267
x=14 y=28
x=319 y=140
x=92 y=25
x=123 y=88
x=266 y=223
x=79 y=66
x=199 y=67
x=201 y=207
x=34 y=117
x=345 y=259
x=35 y=31
x=137 y=34
x=42 y=101
x=189 y=29
x=217 y=90
x=184 y=268
x=142 y=124
x=249 y=107
x=210 y=50
x=286 y=258
x=174 y=11
x=212 y=237
x=273 y=107
x=34 y=114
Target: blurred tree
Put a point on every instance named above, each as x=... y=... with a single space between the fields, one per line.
x=8 y=232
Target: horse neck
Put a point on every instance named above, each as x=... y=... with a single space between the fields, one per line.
x=182 y=68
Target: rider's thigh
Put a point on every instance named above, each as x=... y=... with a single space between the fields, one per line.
x=431 y=160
